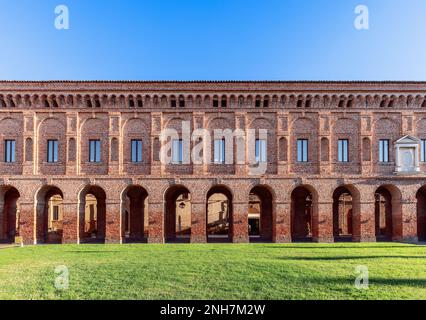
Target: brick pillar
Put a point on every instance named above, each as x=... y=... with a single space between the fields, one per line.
x=113 y=222
x=240 y=223
x=26 y=224
x=198 y=222
x=364 y=222
x=81 y=222
x=322 y=222
x=281 y=227
x=156 y=222
x=70 y=222
x=408 y=222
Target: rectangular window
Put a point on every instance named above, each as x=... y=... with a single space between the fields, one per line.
x=95 y=151
x=343 y=152
x=9 y=151
x=219 y=151
x=55 y=213
x=136 y=151
x=177 y=151
x=260 y=150
x=302 y=150
x=52 y=150
x=423 y=151
x=384 y=150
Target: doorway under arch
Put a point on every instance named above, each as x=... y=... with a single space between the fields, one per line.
x=49 y=219
x=302 y=210
x=219 y=215
x=10 y=214
x=260 y=214
x=343 y=214
x=92 y=219
x=178 y=214
x=135 y=214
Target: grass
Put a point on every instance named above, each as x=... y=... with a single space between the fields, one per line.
x=217 y=271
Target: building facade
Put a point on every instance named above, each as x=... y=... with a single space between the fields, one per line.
x=81 y=162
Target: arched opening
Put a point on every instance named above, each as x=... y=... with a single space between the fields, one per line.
x=343 y=214
x=178 y=214
x=383 y=211
x=10 y=215
x=135 y=214
x=219 y=214
x=421 y=213
x=49 y=220
x=92 y=215
x=302 y=214
x=260 y=214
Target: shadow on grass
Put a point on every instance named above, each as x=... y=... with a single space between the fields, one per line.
x=321 y=246
x=418 y=283
x=333 y=258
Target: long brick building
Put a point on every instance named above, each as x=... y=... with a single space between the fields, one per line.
x=343 y=161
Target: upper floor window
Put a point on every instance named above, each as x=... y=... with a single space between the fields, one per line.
x=136 y=151
x=343 y=151
x=384 y=150
x=95 y=151
x=302 y=150
x=9 y=151
x=219 y=151
x=177 y=151
x=423 y=150
x=52 y=150
x=260 y=150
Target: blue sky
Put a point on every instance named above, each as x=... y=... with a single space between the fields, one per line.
x=213 y=40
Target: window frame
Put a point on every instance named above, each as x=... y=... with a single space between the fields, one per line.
x=343 y=150
x=384 y=151
x=10 y=151
x=177 y=158
x=136 y=155
x=302 y=150
x=95 y=150
x=219 y=151
x=261 y=151
x=52 y=150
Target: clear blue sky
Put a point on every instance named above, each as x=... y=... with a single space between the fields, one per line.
x=213 y=40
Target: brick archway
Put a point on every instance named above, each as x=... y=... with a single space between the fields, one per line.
x=9 y=220
x=260 y=214
x=387 y=213
x=92 y=211
x=49 y=222
x=421 y=213
x=177 y=218
x=219 y=211
x=343 y=214
x=135 y=214
x=303 y=206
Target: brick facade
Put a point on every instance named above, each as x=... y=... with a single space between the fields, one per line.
x=323 y=200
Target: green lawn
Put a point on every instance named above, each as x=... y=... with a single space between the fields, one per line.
x=217 y=271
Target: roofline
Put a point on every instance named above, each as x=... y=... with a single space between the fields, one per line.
x=225 y=81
